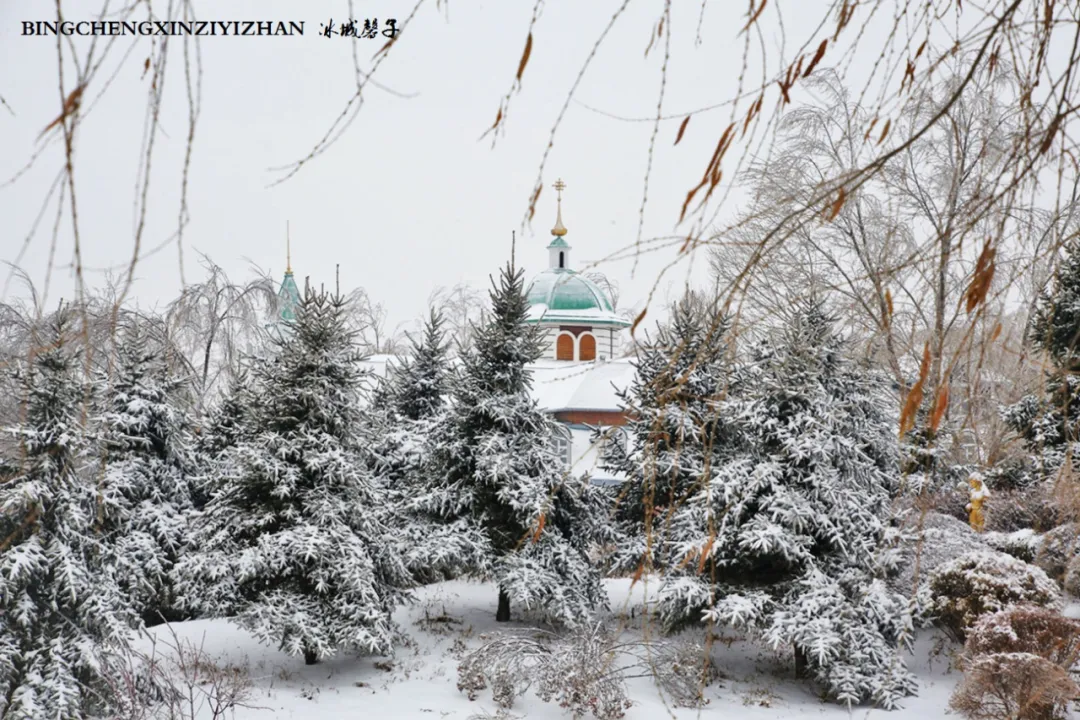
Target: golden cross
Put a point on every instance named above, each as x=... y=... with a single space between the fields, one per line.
x=559 y=186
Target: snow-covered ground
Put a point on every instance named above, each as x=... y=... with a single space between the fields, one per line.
x=449 y=619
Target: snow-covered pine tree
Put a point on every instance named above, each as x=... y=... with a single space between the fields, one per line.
x=421 y=383
x=144 y=438
x=927 y=463
x=499 y=503
x=221 y=429
x=785 y=538
x=292 y=544
x=403 y=411
x=1050 y=423
x=63 y=614
x=675 y=437
x=403 y=406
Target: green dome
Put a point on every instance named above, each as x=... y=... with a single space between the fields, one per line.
x=561 y=289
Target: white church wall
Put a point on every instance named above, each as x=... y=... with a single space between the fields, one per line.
x=608 y=342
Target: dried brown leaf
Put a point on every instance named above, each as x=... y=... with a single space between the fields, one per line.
x=494 y=125
x=718 y=153
x=749 y=118
x=539 y=527
x=690 y=554
x=846 y=12
x=712 y=170
x=71 y=106
x=837 y=204
x=532 y=202
x=870 y=129
x=637 y=321
x=784 y=91
x=682 y=129
x=1051 y=133
x=385 y=48
x=940 y=404
x=756 y=15
x=704 y=557
x=817 y=58
x=915 y=396
x=909 y=75
x=686 y=202
x=884 y=131
x=652 y=39
x=981 y=278
x=524 y=57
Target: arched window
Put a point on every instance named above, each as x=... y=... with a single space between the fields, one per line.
x=562 y=261
x=561 y=442
x=586 y=347
x=564 y=347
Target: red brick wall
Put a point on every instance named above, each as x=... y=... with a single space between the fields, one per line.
x=591 y=417
x=574 y=329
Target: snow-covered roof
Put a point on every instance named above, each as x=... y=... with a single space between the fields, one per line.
x=540 y=313
x=561 y=385
x=558 y=384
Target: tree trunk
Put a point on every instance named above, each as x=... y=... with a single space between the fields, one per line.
x=503 y=613
x=309 y=656
x=800 y=663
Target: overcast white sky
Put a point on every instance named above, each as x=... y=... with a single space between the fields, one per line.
x=409 y=199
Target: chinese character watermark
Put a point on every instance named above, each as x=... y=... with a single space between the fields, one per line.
x=353 y=29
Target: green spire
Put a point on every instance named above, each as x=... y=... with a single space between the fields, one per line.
x=289 y=294
x=288 y=298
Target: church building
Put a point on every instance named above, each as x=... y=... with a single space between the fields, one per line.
x=578 y=378
x=579 y=375
x=576 y=315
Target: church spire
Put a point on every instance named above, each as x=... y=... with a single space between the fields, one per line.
x=559 y=250
x=288 y=250
x=559 y=230
x=288 y=294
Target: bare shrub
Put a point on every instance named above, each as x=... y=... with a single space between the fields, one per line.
x=1013 y=686
x=1057 y=549
x=179 y=680
x=982 y=582
x=926 y=541
x=1054 y=551
x=1021 y=544
x=581 y=677
x=584 y=673
x=1016 y=665
x=507 y=664
x=1014 y=510
x=1026 y=629
x=1071 y=582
